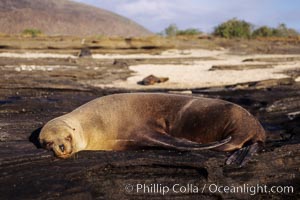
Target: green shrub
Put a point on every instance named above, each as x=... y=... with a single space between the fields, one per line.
x=32 y=32
x=280 y=31
x=233 y=28
x=263 y=31
x=171 y=30
x=283 y=31
x=189 y=31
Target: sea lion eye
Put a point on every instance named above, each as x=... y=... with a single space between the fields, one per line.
x=48 y=144
x=69 y=138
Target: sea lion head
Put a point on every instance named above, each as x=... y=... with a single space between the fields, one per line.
x=60 y=137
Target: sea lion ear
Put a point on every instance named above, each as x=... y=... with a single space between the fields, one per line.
x=73 y=129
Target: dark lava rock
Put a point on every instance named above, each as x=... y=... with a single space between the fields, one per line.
x=85 y=52
x=30 y=99
x=151 y=80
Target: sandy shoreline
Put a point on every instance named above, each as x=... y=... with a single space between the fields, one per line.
x=197 y=74
x=193 y=74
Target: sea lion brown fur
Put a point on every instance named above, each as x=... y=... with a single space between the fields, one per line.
x=138 y=120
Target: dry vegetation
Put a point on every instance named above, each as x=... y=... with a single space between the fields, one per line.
x=151 y=44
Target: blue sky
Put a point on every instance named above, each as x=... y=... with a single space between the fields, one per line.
x=204 y=15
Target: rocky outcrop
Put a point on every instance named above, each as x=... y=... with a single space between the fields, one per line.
x=64 y=17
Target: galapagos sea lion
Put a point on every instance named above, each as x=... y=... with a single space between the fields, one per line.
x=139 y=120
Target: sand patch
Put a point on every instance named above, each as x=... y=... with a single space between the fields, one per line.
x=194 y=76
x=36 y=55
x=39 y=67
x=173 y=53
x=197 y=74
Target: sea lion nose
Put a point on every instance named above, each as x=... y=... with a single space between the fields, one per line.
x=62 y=147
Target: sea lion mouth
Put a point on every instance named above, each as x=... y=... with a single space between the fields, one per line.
x=64 y=155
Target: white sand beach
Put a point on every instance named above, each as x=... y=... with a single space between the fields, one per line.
x=192 y=74
x=197 y=74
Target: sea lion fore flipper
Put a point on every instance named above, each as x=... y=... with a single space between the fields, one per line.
x=167 y=141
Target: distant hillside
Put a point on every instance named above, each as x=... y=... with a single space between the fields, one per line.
x=63 y=17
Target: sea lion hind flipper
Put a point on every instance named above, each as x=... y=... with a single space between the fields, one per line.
x=167 y=141
x=241 y=156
